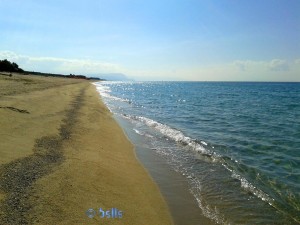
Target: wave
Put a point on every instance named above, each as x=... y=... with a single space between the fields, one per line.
x=142 y=133
x=105 y=90
x=247 y=186
x=198 y=146
x=248 y=178
x=201 y=147
x=174 y=134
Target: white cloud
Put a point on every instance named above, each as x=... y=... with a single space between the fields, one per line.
x=248 y=70
x=240 y=65
x=239 y=70
x=297 y=61
x=60 y=65
x=248 y=65
x=279 y=65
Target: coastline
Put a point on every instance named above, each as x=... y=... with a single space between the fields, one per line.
x=92 y=163
x=174 y=187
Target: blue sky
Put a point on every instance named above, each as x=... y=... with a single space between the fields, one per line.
x=155 y=40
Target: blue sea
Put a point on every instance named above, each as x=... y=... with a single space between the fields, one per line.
x=237 y=144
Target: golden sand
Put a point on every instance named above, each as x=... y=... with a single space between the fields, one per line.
x=91 y=164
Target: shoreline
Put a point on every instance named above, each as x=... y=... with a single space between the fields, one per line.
x=95 y=167
x=174 y=187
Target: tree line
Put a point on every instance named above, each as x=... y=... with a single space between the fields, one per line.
x=7 y=66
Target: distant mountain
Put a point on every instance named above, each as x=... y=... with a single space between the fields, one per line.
x=113 y=77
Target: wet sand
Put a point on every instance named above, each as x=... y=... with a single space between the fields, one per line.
x=62 y=153
x=175 y=188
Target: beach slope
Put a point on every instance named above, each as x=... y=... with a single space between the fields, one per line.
x=62 y=153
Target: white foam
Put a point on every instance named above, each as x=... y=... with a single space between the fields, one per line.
x=246 y=185
x=208 y=211
x=171 y=133
x=102 y=88
x=203 y=142
x=105 y=90
x=137 y=131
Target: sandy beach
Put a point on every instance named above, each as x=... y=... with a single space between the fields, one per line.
x=62 y=153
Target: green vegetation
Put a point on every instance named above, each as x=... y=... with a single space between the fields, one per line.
x=7 y=66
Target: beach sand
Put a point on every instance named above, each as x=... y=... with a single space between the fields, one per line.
x=62 y=153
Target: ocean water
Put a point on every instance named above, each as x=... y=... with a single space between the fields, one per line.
x=237 y=144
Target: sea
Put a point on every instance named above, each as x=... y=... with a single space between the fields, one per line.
x=237 y=144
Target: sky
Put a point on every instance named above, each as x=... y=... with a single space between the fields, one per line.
x=194 y=40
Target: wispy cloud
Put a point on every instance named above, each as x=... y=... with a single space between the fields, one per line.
x=297 y=61
x=247 y=70
x=279 y=65
x=246 y=65
x=238 y=70
x=274 y=65
x=60 y=65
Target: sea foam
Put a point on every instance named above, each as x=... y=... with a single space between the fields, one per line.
x=172 y=133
